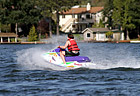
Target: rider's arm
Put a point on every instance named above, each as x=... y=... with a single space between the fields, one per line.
x=66 y=45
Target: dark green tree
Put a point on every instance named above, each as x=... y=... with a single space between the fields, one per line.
x=46 y=11
x=19 y=12
x=117 y=12
x=127 y=20
x=121 y=15
x=108 y=12
x=135 y=13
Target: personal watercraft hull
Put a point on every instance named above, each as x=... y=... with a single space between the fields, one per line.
x=71 y=61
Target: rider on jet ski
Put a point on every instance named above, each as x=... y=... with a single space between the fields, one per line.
x=72 y=46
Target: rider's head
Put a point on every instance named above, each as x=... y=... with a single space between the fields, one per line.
x=70 y=36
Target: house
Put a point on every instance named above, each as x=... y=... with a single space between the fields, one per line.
x=77 y=19
x=7 y=37
x=99 y=34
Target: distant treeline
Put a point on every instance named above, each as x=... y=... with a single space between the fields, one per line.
x=122 y=14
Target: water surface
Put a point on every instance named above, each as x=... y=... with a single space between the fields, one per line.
x=24 y=73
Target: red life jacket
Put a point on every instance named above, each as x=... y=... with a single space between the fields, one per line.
x=73 y=45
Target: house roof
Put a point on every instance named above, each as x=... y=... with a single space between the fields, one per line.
x=83 y=10
x=96 y=30
x=8 y=35
x=96 y=9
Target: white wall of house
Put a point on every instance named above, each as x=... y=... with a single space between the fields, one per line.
x=88 y=37
x=64 y=20
x=100 y=36
x=98 y=16
x=94 y=17
x=122 y=36
x=82 y=23
x=116 y=36
x=66 y=23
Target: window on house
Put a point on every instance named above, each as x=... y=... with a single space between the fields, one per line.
x=63 y=16
x=88 y=16
x=73 y=26
x=111 y=36
x=73 y=16
x=88 y=34
x=79 y=16
x=90 y=24
x=91 y=17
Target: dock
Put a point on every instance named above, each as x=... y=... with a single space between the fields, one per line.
x=134 y=41
x=23 y=42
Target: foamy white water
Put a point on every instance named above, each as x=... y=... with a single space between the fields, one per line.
x=31 y=58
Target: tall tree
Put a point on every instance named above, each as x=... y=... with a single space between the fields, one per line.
x=108 y=12
x=127 y=20
x=135 y=13
x=121 y=15
x=117 y=12
x=46 y=11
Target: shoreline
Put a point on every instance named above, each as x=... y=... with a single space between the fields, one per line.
x=121 y=41
x=23 y=42
x=38 y=42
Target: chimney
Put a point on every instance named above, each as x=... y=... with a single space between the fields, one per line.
x=88 y=6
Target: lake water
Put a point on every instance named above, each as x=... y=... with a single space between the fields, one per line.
x=117 y=71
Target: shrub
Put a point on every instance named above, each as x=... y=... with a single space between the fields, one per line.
x=32 y=34
x=109 y=35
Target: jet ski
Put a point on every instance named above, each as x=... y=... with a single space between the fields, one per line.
x=71 y=61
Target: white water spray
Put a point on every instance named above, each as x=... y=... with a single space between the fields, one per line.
x=30 y=59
